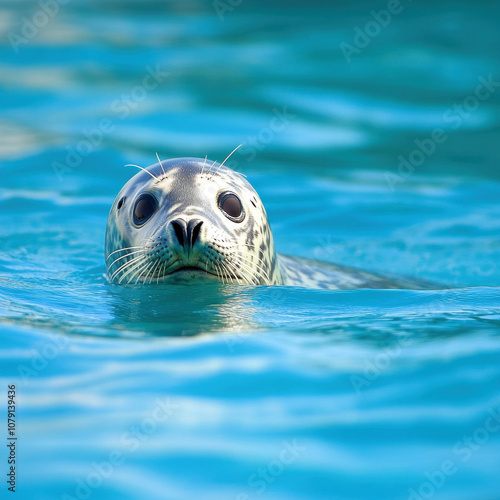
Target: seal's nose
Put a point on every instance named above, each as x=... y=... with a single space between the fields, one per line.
x=193 y=231
x=187 y=234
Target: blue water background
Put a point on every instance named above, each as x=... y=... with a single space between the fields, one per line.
x=238 y=393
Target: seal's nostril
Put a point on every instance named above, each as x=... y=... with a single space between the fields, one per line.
x=179 y=228
x=187 y=234
x=193 y=230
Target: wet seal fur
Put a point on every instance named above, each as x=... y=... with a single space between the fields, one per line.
x=179 y=221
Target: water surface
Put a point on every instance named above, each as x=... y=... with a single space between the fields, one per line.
x=235 y=392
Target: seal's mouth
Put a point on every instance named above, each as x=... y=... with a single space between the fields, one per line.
x=189 y=274
x=194 y=271
x=181 y=270
x=190 y=269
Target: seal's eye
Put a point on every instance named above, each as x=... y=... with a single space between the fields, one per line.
x=231 y=206
x=145 y=207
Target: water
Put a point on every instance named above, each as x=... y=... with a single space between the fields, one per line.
x=225 y=392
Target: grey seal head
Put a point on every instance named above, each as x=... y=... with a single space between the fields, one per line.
x=186 y=219
x=189 y=219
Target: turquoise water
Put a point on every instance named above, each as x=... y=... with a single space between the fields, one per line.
x=233 y=392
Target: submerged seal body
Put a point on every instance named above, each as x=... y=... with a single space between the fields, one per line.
x=187 y=219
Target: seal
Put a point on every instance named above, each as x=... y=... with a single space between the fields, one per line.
x=189 y=219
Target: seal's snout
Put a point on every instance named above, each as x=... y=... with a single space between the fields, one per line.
x=187 y=233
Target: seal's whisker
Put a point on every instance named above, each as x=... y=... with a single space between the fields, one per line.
x=232 y=271
x=221 y=273
x=247 y=274
x=231 y=268
x=259 y=262
x=255 y=265
x=210 y=169
x=150 y=271
x=155 y=270
x=235 y=272
x=142 y=168
x=161 y=164
x=132 y=265
x=125 y=265
x=204 y=163
x=133 y=276
x=257 y=273
x=131 y=260
x=252 y=278
x=121 y=250
x=257 y=257
x=227 y=158
x=137 y=250
x=227 y=272
x=215 y=268
x=245 y=260
x=165 y=266
x=122 y=269
x=164 y=270
x=249 y=277
x=145 y=272
x=213 y=264
x=125 y=256
x=136 y=272
x=242 y=245
x=160 y=274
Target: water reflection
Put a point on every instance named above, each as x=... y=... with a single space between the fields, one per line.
x=183 y=310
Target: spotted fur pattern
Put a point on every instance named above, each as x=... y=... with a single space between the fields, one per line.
x=235 y=252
